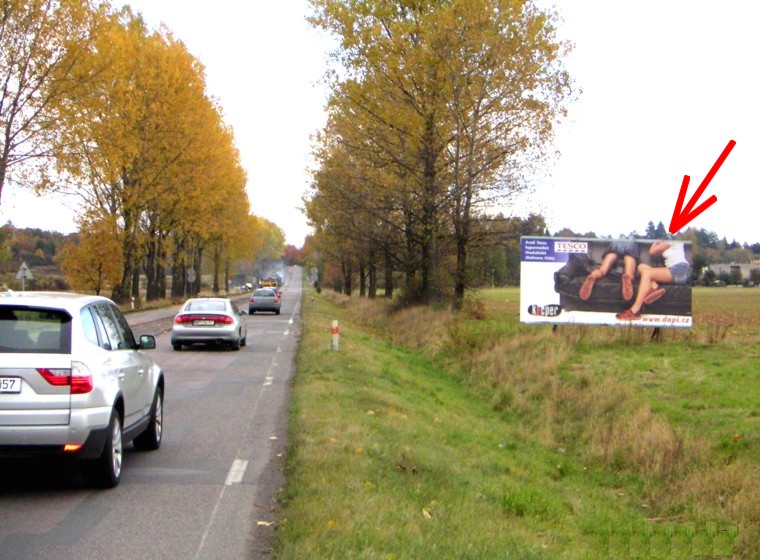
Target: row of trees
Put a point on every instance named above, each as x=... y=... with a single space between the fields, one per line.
x=437 y=110
x=91 y=263
x=495 y=258
x=96 y=103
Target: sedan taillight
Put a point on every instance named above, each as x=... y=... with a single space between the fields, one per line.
x=189 y=319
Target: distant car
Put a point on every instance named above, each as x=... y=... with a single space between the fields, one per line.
x=74 y=382
x=209 y=321
x=269 y=282
x=264 y=299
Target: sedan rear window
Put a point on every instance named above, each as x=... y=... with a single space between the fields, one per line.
x=263 y=293
x=34 y=330
x=202 y=305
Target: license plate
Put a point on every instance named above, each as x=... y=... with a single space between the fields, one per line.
x=10 y=384
x=203 y=323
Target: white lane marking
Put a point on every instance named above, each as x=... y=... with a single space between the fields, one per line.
x=220 y=498
x=237 y=471
x=268 y=381
x=290 y=321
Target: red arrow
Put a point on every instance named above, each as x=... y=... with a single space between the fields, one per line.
x=681 y=215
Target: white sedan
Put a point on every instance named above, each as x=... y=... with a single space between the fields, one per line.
x=209 y=320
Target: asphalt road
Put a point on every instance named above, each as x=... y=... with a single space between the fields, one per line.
x=209 y=492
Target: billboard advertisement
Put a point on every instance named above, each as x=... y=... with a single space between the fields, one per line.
x=620 y=282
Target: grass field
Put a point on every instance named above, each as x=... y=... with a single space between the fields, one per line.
x=438 y=435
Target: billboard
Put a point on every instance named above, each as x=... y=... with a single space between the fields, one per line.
x=620 y=282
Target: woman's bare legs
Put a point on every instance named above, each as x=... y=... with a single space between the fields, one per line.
x=650 y=279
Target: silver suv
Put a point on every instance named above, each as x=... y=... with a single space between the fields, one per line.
x=75 y=382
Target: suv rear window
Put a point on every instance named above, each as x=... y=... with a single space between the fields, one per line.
x=30 y=330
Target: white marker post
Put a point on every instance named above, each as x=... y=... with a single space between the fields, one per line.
x=335 y=336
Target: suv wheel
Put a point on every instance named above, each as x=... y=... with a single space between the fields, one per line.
x=105 y=471
x=150 y=439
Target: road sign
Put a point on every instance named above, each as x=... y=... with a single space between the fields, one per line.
x=24 y=274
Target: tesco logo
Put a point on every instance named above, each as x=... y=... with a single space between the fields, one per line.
x=570 y=247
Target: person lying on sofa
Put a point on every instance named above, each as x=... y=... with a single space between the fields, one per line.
x=626 y=248
x=677 y=270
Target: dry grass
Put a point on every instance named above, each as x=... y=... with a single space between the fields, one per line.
x=557 y=385
x=726 y=490
x=644 y=442
x=731 y=313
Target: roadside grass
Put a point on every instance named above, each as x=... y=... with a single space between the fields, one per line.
x=438 y=435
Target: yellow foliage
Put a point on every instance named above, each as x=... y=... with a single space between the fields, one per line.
x=95 y=262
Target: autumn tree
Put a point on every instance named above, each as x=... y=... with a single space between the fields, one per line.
x=353 y=207
x=144 y=146
x=453 y=100
x=293 y=255
x=93 y=262
x=6 y=233
x=224 y=233
x=41 y=43
x=267 y=247
x=506 y=88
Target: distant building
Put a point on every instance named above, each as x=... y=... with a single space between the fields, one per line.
x=731 y=268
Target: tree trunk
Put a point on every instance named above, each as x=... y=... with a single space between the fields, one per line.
x=161 y=269
x=151 y=271
x=460 y=276
x=347 y=274
x=388 y=273
x=217 y=268
x=362 y=279
x=123 y=289
x=429 y=219
x=197 y=265
x=372 y=266
x=136 y=297
x=227 y=275
x=179 y=270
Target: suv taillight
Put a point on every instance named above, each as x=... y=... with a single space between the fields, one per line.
x=79 y=377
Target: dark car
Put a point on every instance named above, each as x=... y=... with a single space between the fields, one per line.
x=264 y=299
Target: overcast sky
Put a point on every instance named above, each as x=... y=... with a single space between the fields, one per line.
x=665 y=85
